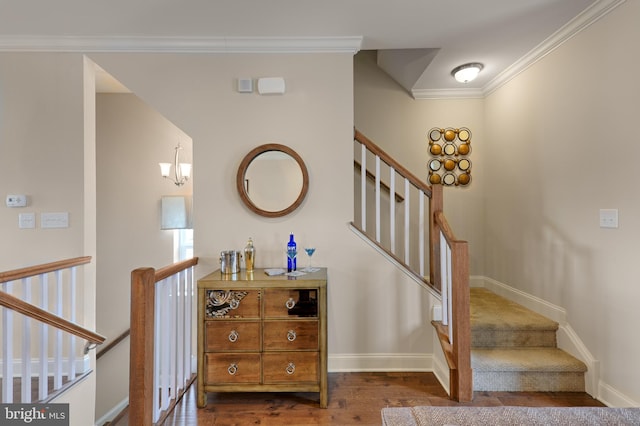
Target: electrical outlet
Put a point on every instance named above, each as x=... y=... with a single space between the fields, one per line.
x=608 y=218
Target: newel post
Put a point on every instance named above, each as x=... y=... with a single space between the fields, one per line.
x=461 y=321
x=435 y=206
x=141 y=353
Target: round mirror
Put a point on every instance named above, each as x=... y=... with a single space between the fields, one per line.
x=449 y=149
x=272 y=180
x=434 y=134
x=435 y=165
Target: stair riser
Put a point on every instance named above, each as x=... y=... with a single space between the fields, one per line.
x=504 y=338
x=528 y=382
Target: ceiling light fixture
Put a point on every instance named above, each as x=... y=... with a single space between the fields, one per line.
x=467 y=72
x=182 y=170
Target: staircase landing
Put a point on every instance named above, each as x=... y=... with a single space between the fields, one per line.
x=514 y=349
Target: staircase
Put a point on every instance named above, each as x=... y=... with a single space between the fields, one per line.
x=514 y=349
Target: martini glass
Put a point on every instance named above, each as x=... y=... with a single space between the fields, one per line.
x=291 y=254
x=309 y=251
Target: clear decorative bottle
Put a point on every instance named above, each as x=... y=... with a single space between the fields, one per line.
x=249 y=255
x=292 y=250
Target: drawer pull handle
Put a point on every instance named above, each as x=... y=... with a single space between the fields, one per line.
x=290 y=303
x=233 y=369
x=291 y=335
x=233 y=336
x=291 y=368
x=234 y=303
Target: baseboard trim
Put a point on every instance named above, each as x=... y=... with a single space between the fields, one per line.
x=613 y=398
x=111 y=414
x=379 y=362
x=441 y=369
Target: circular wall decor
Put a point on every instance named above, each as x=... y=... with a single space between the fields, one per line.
x=450 y=165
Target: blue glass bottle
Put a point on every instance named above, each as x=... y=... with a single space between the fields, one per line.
x=292 y=249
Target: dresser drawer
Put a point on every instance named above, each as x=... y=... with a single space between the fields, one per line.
x=288 y=303
x=226 y=336
x=231 y=368
x=290 y=335
x=289 y=367
x=231 y=304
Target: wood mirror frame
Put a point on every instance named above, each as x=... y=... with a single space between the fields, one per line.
x=246 y=162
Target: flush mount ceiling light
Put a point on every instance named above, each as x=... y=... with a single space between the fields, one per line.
x=467 y=72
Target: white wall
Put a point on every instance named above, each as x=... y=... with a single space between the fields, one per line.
x=563 y=145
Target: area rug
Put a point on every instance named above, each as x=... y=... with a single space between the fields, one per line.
x=509 y=416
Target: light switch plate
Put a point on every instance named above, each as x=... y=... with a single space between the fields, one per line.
x=608 y=218
x=54 y=220
x=245 y=85
x=27 y=220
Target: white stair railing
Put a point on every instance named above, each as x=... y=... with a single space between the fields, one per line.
x=39 y=341
x=413 y=238
x=395 y=221
x=162 y=357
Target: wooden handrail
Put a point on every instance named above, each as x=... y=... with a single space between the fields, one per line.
x=30 y=271
x=39 y=314
x=375 y=149
x=169 y=270
x=32 y=311
x=113 y=343
x=445 y=228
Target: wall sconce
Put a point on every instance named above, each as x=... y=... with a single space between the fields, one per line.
x=467 y=72
x=182 y=171
x=176 y=212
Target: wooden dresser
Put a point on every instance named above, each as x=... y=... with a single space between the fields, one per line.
x=261 y=333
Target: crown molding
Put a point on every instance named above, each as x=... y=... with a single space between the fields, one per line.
x=447 y=94
x=589 y=16
x=118 y=44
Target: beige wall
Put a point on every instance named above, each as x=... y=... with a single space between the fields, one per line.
x=530 y=214
x=42 y=155
x=131 y=139
x=399 y=124
x=373 y=308
x=41 y=133
x=550 y=149
x=563 y=145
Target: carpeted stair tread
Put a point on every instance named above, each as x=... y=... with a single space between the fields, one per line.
x=490 y=311
x=496 y=321
x=525 y=359
x=514 y=349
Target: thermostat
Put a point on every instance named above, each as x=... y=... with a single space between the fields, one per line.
x=16 y=200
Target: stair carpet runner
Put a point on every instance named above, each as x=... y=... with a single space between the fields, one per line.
x=514 y=349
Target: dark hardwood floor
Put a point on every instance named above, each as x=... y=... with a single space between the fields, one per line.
x=354 y=399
